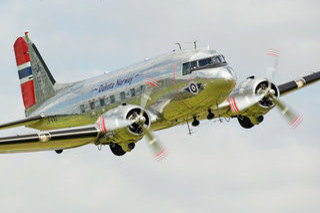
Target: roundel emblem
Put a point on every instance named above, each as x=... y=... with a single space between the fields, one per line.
x=193 y=88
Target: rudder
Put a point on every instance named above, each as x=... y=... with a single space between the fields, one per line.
x=37 y=83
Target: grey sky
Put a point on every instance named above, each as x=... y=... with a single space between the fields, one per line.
x=222 y=167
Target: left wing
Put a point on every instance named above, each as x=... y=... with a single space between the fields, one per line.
x=294 y=85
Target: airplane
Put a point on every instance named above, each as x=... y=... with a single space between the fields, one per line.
x=120 y=107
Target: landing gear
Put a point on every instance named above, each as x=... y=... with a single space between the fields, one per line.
x=210 y=115
x=131 y=146
x=259 y=119
x=59 y=151
x=245 y=122
x=116 y=149
x=195 y=121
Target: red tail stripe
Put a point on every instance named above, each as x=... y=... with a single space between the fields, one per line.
x=21 y=51
x=27 y=90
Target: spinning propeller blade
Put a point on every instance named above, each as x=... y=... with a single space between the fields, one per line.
x=157 y=148
x=293 y=118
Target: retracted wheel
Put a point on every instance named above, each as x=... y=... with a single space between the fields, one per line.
x=116 y=149
x=245 y=122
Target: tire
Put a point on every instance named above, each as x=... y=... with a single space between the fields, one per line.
x=245 y=122
x=116 y=149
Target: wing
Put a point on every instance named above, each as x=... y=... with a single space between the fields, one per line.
x=123 y=125
x=50 y=140
x=294 y=85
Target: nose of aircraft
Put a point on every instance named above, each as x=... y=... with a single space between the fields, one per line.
x=222 y=73
x=227 y=73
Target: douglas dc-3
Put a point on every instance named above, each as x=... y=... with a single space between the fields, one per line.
x=119 y=108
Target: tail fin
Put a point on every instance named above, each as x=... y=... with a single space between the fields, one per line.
x=35 y=78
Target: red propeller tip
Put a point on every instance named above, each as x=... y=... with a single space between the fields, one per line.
x=273 y=52
x=161 y=155
x=296 y=121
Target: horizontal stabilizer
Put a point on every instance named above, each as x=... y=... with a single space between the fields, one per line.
x=23 y=122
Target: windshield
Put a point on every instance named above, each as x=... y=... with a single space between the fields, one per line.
x=215 y=61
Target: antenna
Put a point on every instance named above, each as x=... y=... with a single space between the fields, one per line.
x=178 y=45
x=195 y=44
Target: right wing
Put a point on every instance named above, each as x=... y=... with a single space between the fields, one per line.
x=50 y=140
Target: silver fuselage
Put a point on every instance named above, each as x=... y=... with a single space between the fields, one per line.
x=170 y=100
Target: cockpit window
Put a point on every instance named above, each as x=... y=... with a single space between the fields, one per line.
x=215 y=61
x=186 y=68
x=205 y=62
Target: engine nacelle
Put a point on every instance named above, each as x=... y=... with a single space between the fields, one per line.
x=121 y=124
x=248 y=93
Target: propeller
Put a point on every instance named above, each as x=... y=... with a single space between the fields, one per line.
x=155 y=145
x=292 y=117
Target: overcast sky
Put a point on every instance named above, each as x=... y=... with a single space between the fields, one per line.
x=222 y=167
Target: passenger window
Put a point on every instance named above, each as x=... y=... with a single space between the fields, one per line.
x=102 y=102
x=186 y=68
x=122 y=95
x=112 y=99
x=133 y=92
x=92 y=105
x=82 y=109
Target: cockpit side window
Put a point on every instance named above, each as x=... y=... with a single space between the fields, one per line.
x=194 y=65
x=186 y=68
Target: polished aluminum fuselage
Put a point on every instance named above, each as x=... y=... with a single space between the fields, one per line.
x=170 y=101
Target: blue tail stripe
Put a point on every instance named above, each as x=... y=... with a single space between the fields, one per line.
x=25 y=72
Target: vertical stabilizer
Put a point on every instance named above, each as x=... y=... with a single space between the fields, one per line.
x=35 y=78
